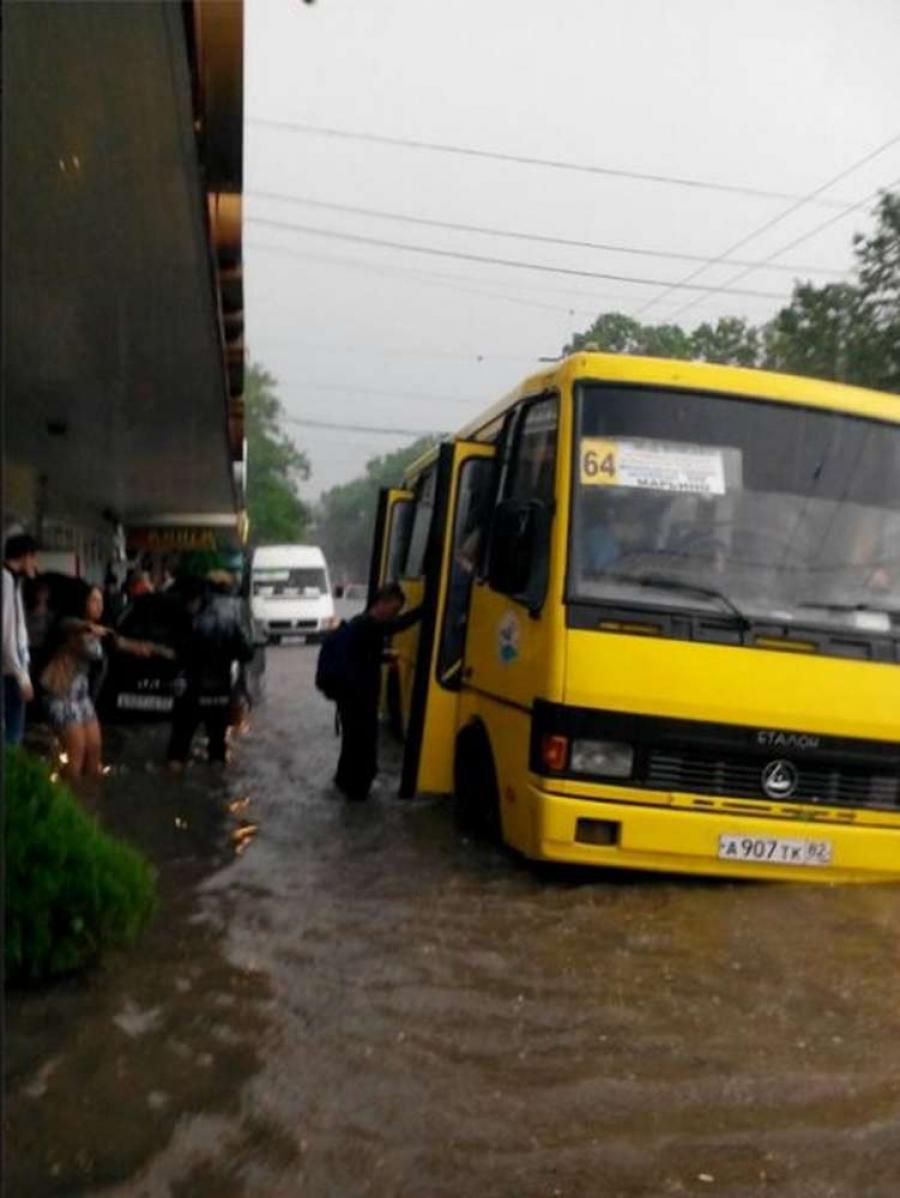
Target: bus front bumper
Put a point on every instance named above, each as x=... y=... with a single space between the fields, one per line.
x=642 y=836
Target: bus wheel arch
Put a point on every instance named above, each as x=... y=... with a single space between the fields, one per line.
x=475 y=787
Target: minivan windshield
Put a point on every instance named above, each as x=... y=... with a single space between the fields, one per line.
x=293 y=583
x=785 y=512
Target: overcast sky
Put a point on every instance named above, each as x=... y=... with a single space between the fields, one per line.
x=776 y=96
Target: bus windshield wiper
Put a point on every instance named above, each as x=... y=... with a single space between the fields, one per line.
x=666 y=583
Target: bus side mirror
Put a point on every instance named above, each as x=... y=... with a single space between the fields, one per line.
x=512 y=546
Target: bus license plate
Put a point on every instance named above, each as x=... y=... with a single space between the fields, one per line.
x=774 y=850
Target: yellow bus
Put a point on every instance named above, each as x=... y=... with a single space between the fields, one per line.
x=661 y=621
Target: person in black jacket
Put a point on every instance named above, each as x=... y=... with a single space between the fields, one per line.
x=214 y=645
x=358 y=700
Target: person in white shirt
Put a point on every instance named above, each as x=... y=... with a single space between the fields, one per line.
x=19 y=562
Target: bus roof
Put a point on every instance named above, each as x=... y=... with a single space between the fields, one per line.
x=695 y=376
x=740 y=381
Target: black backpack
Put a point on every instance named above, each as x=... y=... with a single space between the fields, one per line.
x=333 y=674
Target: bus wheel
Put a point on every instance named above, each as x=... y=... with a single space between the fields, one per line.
x=274 y=638
x=475 y=785
x=394 y=706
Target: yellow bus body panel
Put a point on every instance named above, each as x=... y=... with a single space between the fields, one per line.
x=681 y=841
x=744 y=686
x=406 y=646
x=757 y=688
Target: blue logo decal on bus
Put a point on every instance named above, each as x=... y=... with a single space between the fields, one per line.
x=508 y=638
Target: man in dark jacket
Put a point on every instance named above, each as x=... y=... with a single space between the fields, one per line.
x=213 y=646
x=358 y=700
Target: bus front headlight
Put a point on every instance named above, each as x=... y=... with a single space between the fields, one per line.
x=601 y=757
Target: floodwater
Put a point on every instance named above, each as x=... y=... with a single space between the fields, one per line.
x=355 y=1000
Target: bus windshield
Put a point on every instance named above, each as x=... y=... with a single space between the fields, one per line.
x=290 y=583
x=693 y=501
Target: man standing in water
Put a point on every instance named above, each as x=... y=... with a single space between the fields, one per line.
x=362 y=652
x=213 y=643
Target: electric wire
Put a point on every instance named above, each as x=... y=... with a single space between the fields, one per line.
x=516 y=235
x=390 y=393
x=776 y=220
x=863 y=203
x=455 y=282
x=575 y=272
x=411 y=143
x=435 y=280
x=377 y=430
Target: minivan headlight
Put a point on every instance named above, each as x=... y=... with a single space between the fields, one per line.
x=605 y=757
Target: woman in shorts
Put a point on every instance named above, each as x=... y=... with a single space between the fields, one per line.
x=78 y=647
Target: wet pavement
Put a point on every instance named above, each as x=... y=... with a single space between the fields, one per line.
x=355 y=1000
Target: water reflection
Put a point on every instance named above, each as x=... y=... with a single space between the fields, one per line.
x=404 y=1011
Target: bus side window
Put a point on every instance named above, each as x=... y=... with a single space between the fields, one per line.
x=421 y=525
x=532 y=472
x=472 y=508
x=527 y=504
x=398 y=539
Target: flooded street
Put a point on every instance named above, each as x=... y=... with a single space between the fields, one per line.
x=337 y=1001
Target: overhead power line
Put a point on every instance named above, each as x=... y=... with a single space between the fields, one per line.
x=517 y=264
x=515 y=235
x=389 y=393
x=411 y=143
x=863 y=203
x=430 y=278
x=776 y=220
x=378 y=430
x=454 y=282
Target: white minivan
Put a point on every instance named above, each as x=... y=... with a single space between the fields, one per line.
x=291 y=592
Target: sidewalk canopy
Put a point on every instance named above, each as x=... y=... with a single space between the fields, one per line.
x=122 y=391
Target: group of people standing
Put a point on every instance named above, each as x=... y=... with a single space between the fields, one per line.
x=58 y=673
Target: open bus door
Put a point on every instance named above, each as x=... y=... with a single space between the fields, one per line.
x=463 y=497
x=394 y=512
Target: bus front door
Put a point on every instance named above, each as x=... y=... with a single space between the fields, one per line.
x=463 y=495
x=395 y=508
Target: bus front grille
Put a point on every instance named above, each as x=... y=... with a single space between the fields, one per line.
x=697 y=773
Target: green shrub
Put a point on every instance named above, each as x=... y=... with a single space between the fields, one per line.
x=72 y=890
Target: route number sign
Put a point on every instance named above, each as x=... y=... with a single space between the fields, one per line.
x=652 y=465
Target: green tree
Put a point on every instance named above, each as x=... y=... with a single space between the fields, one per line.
x=346 y=516
x=616 y=333
x=731 y=341
x=816 y=333
x=848 y=331
x=275 y=465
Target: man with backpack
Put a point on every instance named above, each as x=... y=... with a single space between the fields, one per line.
x=213 y=644
x=349 y=673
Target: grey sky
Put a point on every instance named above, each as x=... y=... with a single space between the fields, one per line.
x=780 y=95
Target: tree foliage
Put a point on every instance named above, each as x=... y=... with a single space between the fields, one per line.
x=275 y=466
x=346 y=518
x=848 y=331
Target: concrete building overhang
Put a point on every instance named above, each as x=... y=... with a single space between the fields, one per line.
x=123 y=313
